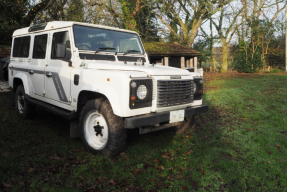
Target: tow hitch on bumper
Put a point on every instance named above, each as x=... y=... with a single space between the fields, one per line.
x=155 y=118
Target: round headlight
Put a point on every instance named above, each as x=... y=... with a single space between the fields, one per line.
x=141 y=92
x=194 y=87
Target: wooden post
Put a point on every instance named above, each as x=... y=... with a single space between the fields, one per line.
x=195 y=64
x=187 y=62
x=182 y=63
x=191 y=62
x=166 y=61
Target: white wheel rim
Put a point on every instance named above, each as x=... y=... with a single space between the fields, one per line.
x=97 y=140
x=21 y=103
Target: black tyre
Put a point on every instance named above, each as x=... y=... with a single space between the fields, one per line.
x=24 y=108
x=185 y=126
x=101 y=130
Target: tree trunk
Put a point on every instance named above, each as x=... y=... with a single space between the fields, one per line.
x=193 y=32
x=224 y=66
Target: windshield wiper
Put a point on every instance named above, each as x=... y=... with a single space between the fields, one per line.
x=131 y=51
x=105 y=48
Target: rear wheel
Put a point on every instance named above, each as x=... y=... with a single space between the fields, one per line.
x=24 y=108
x=101 y=130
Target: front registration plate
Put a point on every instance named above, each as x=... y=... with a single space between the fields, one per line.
x=176 y=116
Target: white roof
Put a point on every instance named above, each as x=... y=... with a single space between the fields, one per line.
x=62 y=24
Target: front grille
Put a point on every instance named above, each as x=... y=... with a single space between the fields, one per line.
x=174 y=92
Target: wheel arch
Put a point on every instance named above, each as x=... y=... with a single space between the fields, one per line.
x=86 y=95
x=21 y=79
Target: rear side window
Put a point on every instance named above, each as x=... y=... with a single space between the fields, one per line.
x=63 y=38
x=40 y=44
x=21 y=47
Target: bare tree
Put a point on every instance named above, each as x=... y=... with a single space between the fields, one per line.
x=187 y=14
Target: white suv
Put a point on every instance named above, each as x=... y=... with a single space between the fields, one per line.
x=100 y=78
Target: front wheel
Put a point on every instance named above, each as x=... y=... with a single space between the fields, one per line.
x=101 y=130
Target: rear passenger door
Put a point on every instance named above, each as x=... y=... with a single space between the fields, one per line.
x=57 y=72
x=36 y=69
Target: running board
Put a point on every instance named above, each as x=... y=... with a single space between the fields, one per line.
x=69 y=115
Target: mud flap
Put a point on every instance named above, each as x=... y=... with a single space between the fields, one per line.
x=74 y=129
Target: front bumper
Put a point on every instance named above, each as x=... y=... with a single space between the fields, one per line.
x=153 y=118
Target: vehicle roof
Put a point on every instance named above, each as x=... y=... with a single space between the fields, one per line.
x=62 y=24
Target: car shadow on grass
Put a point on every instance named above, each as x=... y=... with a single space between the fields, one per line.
x=202 y=159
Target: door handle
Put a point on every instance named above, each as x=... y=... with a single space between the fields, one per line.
x=49 y=74
x=31 y=72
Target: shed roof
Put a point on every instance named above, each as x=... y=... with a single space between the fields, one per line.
x=169 y=49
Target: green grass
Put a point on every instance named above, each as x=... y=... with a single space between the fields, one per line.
x=239 y=145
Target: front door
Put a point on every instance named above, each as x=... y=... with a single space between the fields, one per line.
x=58 y=72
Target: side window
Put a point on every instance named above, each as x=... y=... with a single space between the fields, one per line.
x=63 y=38
x=21 y=47
x=40 y=44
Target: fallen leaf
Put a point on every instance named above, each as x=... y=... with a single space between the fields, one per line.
x=122 y=153
x=269 y=152
x=203 y=172
x=136 y=171
x=112 y=182
x=183 y=169
x=30 y=170
x=278 y=147
x=7 y=185
x=269 y=162
x=190 y=169
x=183 y=187
x=164 y=156
x=282 y=160
x=189 y=152
x=156 y=161
x=162 y=167
x=56 y=158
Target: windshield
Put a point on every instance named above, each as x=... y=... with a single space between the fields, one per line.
x=96 y=39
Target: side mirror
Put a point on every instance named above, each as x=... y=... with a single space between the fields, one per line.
x=61 y=50
x=147 y=55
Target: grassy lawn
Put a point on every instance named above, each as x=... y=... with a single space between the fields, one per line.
x=239 y=145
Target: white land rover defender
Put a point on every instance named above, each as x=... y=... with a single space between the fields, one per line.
x=100 y=78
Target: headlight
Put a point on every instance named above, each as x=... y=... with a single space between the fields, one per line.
x=141 y=92
x=198 y=89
